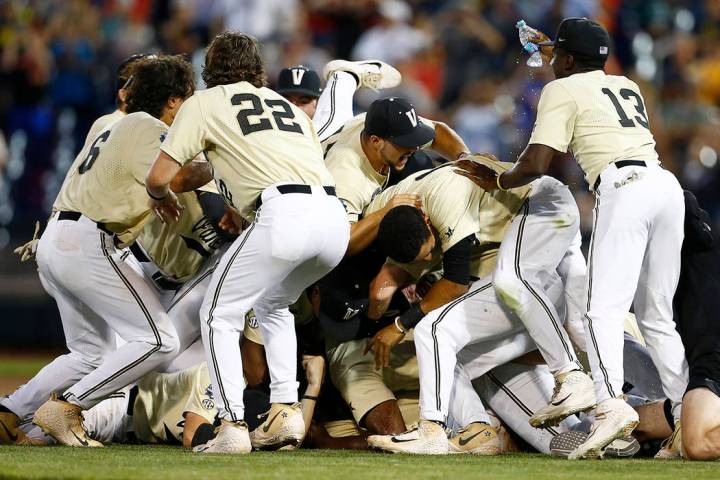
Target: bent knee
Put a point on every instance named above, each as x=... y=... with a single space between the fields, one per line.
x=703 y=450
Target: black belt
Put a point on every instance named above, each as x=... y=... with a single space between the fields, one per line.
x=75 y=216
x=138 y=253
x=283 y=189
x=621 y=164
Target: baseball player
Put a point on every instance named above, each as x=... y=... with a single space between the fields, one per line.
x=361 y=154
x=99 y=210
x=635 y=249
x=268 y=165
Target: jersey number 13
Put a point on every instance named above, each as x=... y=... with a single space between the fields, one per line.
x=628 y=94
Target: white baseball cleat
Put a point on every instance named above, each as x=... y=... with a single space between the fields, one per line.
x=63 y=421
x=671 y=448
x=574 y=392
x=284 y=425
x=372 y=74
x=232 y=437
x=614 y=418
x=477 y=438
x=428 y=438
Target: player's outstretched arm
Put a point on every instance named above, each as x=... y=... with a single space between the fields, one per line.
x=163 y=202
x=389 y=279
x=191 y=176
x=193 y=424
x=314 y=366
x=448 y=143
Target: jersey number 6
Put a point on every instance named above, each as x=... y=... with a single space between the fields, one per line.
x=250 y=125
x=93 y=153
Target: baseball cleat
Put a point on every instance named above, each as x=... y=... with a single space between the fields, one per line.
x=63 y=421
x=477 y=438
x=563 y=444
x=372 y=74
x=428 y=438
x=574 y=392
x=671 y=448
x=614 y=418
x=9 y=431
x=283 y=425
x=232 y=437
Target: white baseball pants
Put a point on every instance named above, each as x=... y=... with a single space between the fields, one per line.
x=531 y=251
x=295 y=240
x=335 y=105
x=479 y=328
x=634 y=258
x=98 y=295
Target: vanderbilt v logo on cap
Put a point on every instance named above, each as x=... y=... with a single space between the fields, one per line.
x=395 y=119
x=297 y=75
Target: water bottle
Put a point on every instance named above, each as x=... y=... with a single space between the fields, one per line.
x=525 y=32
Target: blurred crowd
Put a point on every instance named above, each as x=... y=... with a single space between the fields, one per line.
x=461 y=63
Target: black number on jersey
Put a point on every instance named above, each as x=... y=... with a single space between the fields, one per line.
x=93 y=153
x=627 y=94
x=227 y=196
x=283 y=118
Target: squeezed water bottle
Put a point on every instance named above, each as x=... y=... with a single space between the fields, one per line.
x=525 y=32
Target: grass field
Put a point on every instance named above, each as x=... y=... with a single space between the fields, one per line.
x=175 y=464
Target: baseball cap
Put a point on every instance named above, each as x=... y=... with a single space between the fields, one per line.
x=299 y=79
x=395 y=119
x=583 y=36
x=122 y=74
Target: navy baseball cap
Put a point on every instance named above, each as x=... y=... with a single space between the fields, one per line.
x=299 y=79
x=395 y=119
x=583 y=36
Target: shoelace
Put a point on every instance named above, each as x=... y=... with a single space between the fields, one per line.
x=371 y=80
x=670 y=440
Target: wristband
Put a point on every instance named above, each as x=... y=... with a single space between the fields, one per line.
x=309 y=397
x=497 y=182
x=157 y=199
x=398 y=326
x=411 y=317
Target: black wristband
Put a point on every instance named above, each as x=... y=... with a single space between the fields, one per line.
x=204 y=433
x=157 y=199
x=412 y=316
x=309 y=397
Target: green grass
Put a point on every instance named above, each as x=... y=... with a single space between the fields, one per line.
x=135 y=462
x=21 y=365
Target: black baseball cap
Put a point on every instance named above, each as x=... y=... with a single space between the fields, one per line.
x=299 y=79
x=583 y=36
x=122 y=74
x=395 y=119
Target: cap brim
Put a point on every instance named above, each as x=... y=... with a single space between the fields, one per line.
x=422 y=135
x=299 y=91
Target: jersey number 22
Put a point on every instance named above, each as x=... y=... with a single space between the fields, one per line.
x=252 y=118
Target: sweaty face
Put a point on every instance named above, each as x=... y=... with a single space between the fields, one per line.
x=306 y=103
x=396 y=156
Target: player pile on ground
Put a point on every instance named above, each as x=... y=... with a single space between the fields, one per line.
x=205 y=244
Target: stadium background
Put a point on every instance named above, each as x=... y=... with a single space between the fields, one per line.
x=461 y=63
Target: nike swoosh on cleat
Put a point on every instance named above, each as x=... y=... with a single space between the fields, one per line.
x=267 y=426
x=397 y=440
x=561 y=401
x=84 y=443
x=464 y=441
x=9 y=434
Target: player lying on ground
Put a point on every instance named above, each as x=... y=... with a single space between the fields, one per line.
x=100 y=209
x=601 y=119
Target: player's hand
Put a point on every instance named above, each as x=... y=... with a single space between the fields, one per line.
x=231 y=222
x=411 y=199
x=481 y=175
x=168 y=209
x=314 y=366
x=382 y=343
x=546 y=51
x=28 y=251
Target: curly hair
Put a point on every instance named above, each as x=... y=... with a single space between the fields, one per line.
x=402 y=233
x=157 y=79
x=233 y=57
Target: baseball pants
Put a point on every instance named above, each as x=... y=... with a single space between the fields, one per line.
x=295 y=240
x=531 y=251
x=478 y=331
x=335 y=105
x=98 y=295
x=634 y=258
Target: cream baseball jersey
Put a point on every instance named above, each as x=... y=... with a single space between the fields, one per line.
x=253 y=138
x=106 y=182
x=101 y=123
x=599 y=118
